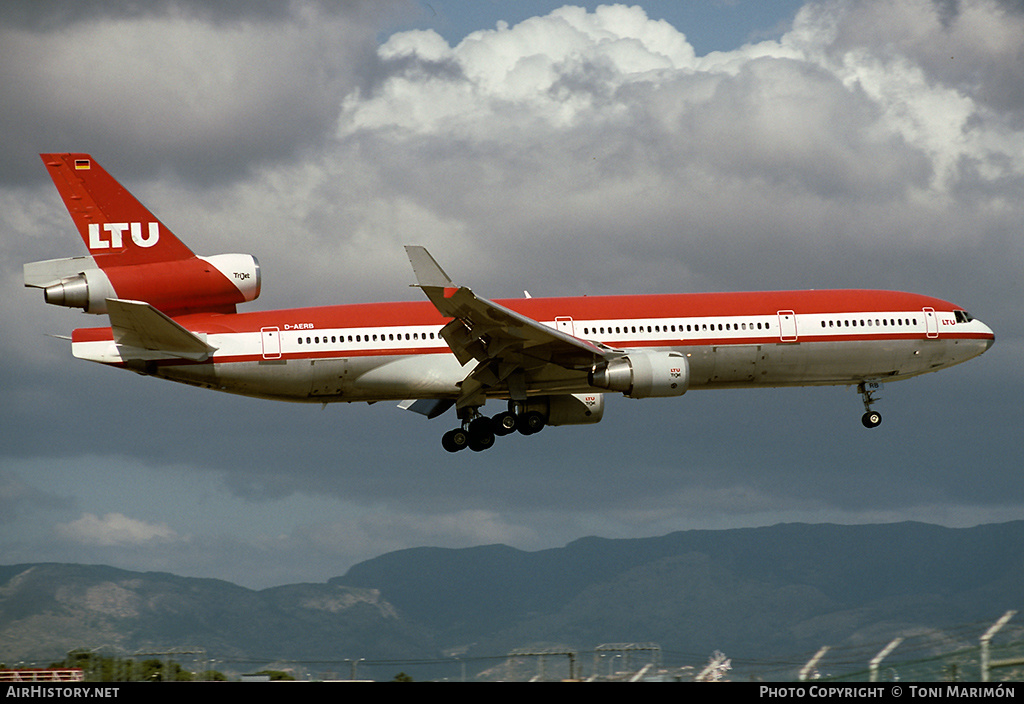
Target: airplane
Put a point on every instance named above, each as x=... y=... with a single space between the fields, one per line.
x=173 y=315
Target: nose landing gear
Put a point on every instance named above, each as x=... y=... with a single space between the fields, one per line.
x=867 y=390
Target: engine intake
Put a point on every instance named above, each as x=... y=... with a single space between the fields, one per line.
x=644 y=375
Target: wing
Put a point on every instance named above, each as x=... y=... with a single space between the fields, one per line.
x=509 y=348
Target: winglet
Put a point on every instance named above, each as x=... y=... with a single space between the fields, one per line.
x=429 y=273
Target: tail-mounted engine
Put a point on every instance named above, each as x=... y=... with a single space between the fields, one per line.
x=174 y=287
x=644 y=374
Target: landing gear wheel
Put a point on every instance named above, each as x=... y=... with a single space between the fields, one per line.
x=530 y=422
x=867 y=391
x=481 y=436
x=871 y=419
x=455 y=440
x=504 y=423
x=484 y=442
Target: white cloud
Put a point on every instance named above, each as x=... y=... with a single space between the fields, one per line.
x=571 y=71
x=553 y=69
x=911 y=59
x=815 y=103
x=573 y=133
x=114 y=529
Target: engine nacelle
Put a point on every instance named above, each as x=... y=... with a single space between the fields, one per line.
x=174 y=287
x=88 y=290
x=570 y=409
x=644 y=375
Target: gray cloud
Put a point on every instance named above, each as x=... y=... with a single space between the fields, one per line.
x=207 y=90
x=19 y=499
x=49 y=16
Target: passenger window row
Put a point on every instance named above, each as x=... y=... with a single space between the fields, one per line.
x=628 y=329
x=868 y=322
x=679 y=328
x=368 y=337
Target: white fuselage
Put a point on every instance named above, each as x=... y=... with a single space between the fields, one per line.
x=319 y=355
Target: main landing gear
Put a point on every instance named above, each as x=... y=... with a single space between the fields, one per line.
x=478 y=432
x=867 y=390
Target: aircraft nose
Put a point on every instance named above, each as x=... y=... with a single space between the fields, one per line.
x=991 y=337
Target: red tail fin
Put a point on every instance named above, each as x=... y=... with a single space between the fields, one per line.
x=134 y=256
x=117 y=228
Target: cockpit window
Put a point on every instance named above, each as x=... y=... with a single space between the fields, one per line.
x=963 y=316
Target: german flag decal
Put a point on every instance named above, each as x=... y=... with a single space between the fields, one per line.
x=82 y=164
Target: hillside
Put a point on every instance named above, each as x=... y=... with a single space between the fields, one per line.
x=754 y=593
x=757 y=592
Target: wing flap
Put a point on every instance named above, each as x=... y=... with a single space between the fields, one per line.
x=431 y=408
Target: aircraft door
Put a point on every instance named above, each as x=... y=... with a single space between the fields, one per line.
x=931 y=323
x=564 y=324
x=271 y=339
x=787 y=326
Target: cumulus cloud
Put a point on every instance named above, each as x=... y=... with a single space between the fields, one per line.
x=939 y=75
x=553 y=69
x=817 y=101
x=586 y=127
x=114 y=529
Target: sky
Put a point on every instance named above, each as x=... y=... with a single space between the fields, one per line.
x=565 y=150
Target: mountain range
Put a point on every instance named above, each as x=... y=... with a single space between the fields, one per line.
x=766 y=597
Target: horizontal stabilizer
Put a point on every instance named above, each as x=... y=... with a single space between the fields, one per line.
x=52 y=271
x=138 y=324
